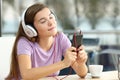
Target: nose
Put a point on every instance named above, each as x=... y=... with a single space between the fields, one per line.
x=50 y=23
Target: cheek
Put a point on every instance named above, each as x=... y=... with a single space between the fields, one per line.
x=55 y=22
x=40 y=29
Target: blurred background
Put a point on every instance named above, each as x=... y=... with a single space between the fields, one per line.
x=99 y=20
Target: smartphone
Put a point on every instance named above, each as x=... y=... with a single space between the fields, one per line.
x=77 y=39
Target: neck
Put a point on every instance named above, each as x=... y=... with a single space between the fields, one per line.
x=46 y=43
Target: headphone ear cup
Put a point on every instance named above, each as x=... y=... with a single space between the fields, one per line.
x=30 y=31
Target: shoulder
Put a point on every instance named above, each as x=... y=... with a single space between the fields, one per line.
x=61 y=35
x=24 y=46
x=24 y=41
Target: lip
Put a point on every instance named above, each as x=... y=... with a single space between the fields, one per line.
x=51 y=28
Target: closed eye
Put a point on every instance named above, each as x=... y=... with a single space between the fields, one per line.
x=43 y=20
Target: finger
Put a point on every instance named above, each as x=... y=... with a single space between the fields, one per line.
x=81 y=47
x=84 y=57
x=72 y=49
x=74 y=58
x=74 y=53
x=82 y=54
x=83 y=60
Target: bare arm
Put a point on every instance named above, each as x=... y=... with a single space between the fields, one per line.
x=80 y=69
x=79 y=65
x=29 y=73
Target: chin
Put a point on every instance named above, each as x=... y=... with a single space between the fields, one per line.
x=54 y=33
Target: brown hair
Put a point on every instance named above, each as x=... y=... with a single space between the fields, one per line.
x=29 y=19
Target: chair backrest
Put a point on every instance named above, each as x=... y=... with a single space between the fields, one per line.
x=6 y=44
x=113 y=55
x=91 y=41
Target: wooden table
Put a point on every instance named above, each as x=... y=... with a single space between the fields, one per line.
x=108 y=75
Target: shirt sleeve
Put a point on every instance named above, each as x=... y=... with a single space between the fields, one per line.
x=24 y=47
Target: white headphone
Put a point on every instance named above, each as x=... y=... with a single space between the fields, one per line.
x=29 y=30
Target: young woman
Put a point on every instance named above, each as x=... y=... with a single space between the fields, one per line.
x=39 y=47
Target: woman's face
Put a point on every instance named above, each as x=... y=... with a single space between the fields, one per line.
x=45 y=23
